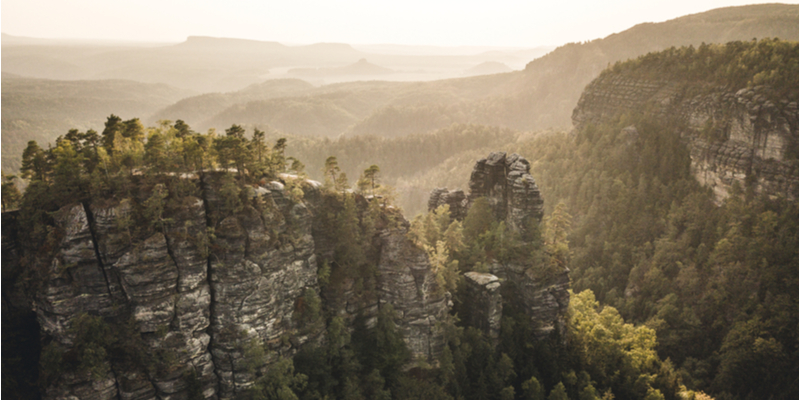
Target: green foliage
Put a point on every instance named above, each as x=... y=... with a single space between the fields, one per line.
x=34 y=163
x=558 y=393
x=153 y=207
x=231 y=151
x=369 y=179
x=717 y=284
x=10 y=194
x=441 y=238
x=254 y=355
x=692 y=270
x=308 y=310
x=348 y=253
x=413 y=163
x=390 y=352
x=230 y=196
x=194 y=387
x=589 y=393
x=331 y=171
x=532 y=389
x=281 y=382
x=617 y=355
x=324 y=274
x=93 y=339
x=486 y=241
x=736 y=65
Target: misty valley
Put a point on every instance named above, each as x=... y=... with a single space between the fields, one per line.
x=240 y=219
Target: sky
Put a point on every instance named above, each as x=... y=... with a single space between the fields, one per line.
x=512 y=23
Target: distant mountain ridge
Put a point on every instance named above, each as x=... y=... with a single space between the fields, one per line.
x=214 y=64
x=489 y=67
x=541 y=96
x=41 y=110
x=362 y=68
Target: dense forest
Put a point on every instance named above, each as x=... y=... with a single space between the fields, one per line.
x=367 y=363
x=675 y=294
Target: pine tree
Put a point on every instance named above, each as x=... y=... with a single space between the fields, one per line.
x=34 y=162
x=10 y=193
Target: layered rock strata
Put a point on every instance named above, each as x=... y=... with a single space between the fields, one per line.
x=261 y=262
x=196 y=290
x=456 y=200
x=209 y=282
x=408 y=282
x=505 y=181
x=403 y=277
x=745 y=135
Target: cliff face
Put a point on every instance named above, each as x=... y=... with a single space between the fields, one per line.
x=179 y=305
x=408 y=282
x=213 y=285
x=733 y=134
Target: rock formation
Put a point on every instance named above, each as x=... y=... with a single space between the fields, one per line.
x=190 y=294
x=505 y=181
x=407 y=281
x=213 y=283
x=483 y=295
x=733 y=135
x=454 y=199
x=514 y=198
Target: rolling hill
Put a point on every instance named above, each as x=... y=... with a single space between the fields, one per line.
x=41 y=109
x=541 y=96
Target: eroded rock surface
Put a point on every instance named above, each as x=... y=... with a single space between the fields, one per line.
x=408 y=282
x=193 y=291
x=456 y=200
x=506 y=182
x=744 y=135
x=212 y=279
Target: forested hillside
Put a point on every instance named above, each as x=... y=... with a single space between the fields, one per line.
x=540 y=97
x=41 y=110
x=618 y=221
x=716 y=280
x=173 y=215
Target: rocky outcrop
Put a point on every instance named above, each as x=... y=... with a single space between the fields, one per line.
x=190 y=294
x=505 y=182
x=261 y=261
x=402 y=277
x=546 y=301
x=456 y=200
x=197 y=290
x=407 y=281
x=486 y=304
x=734 y=135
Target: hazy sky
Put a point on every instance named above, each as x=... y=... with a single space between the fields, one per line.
x=521 y=23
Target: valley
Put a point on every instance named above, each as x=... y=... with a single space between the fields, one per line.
x=614 y=219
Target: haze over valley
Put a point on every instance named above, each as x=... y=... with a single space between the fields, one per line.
x=434 y=201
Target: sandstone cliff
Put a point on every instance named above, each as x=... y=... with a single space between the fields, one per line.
x=223 y=276
x=201 y=297
x=744 y=134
